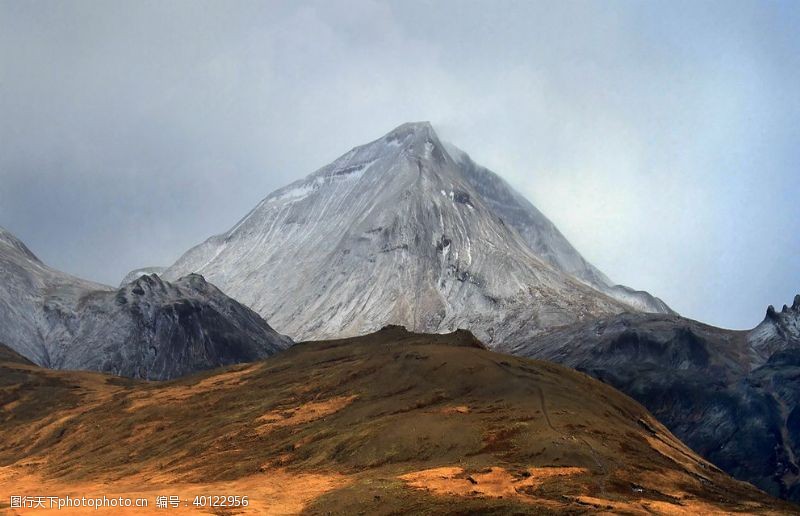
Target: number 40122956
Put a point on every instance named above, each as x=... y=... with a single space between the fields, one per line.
x=220 y=501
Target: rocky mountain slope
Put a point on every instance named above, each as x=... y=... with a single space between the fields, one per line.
x=732 y=396
x=389 y=423
x=543 y=237
x=148 y=328
x=404 y=231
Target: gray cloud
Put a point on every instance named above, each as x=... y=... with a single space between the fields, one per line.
x=661 y=138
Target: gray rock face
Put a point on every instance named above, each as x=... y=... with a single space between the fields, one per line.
x=732 y=396
x=148 y=328
x=404 y=231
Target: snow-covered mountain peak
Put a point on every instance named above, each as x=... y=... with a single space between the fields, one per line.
x=400 y=157
x=411 y=132
x=404 y=230
x=418 y=142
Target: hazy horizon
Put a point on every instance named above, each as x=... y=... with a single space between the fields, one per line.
x=661 y=138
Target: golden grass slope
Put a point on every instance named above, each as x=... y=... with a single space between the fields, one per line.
x=388 y=423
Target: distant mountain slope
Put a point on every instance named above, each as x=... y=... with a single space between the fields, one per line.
x=147 y=329
x=389 y=423
x=29 y=292
x=397 y=231
x=732 y=396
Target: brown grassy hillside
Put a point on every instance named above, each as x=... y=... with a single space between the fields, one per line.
x=392 y=422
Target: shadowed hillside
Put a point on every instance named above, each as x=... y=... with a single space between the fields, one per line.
x=732 y=396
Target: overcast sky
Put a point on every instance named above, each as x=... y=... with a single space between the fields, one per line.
x=663 y=139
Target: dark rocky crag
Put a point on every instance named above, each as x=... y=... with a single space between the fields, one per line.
x=158 y=330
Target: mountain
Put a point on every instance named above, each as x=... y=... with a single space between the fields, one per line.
x=732 y=396
x=388 y=423
x=399 y=231
x=148 y=328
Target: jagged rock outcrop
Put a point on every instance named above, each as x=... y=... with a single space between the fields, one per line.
x=772 y=334
x=732 y=396
x=149 y=328
x=137 y=273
